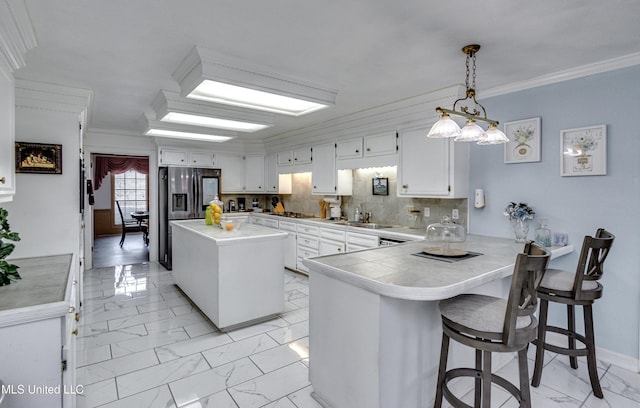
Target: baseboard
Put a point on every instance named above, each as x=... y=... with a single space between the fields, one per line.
x=611 y=357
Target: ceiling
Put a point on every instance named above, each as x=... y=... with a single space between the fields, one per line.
x=373 y=52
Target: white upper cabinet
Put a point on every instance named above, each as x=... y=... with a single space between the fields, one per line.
x=302 y=156
x=432 y=167
x=380 y=145
x=325 y=178
x=254 y=174
x=323 y=173
x=179 y=157
x=349 y=149
x=7 y=132
x=232 y=178
x=285 y=158
x=271 y=173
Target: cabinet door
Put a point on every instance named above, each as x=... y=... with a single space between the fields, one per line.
x=201 y=159
x=378 y=145
x=285 y=158
x=302 y=156
x=254 y=174
x=424 y=165
x=323 y=173
x=331 y=247
x=232 y=166
x=7 y=144
x=349 y=149
x=271 y=173
x=290 y=248
x=171 y=157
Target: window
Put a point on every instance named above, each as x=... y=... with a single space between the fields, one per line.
x=130 y=190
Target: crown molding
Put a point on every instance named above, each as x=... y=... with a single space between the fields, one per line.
x=407 y=112
x=50 y=97
x=566 y=75
x=17 y=35
x=201 y=63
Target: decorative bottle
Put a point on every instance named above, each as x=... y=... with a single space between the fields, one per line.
x=543 y=234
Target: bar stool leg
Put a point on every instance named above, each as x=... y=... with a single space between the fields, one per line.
x=444 y=353
x=591 y=349
x=524 y=378
x=477 y=398
x=542 y=332
x=571 y=325
x=486 y=379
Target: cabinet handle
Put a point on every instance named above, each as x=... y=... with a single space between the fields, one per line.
x=72 y=309
x=315 y=187
x=289 y=159
x=368 y=149
x=75 y=282
x=259 y=187
x=357 y=151
x=2 y=180
x=195 y=161
x=181 y=160
x=274 y=187
x=295 y=159
x=405 y=186
x=75 y=332
x=339 y=249
x=77 y=317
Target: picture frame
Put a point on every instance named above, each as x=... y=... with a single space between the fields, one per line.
x=40 y=158
x=583 y=151
x=380 y=186
x=525 y=141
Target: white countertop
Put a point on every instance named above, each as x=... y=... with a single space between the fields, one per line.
x=245 y=232
x=41 y=291
x=393 y=271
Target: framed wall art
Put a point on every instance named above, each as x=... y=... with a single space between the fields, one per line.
x=524 y=141
x=583 y=151
x=380 y=186
x=38 y=158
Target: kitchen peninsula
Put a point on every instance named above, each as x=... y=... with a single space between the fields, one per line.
x=235 y=277
x=374 y=322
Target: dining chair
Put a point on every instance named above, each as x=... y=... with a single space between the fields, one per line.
x=574 y=288
x=130 y=226
x=493 y=325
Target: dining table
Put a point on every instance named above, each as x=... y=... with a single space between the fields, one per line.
x=141 y=217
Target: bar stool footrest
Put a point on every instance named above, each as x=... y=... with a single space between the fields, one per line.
x=476 y=375
x=576 y=352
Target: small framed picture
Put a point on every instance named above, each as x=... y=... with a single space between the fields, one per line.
x=38 y=158
x=380 y=185
x=583 y=151
x=524 y=141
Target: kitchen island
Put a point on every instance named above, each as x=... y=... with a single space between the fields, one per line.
x=235 y=277
x=374 y=323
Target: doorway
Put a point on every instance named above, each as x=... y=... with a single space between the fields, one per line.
x=123 y=180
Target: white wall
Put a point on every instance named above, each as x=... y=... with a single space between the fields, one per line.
x=45 y=209
x=576 y=205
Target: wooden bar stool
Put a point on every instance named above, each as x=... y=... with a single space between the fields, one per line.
x=579 y=288
x=490 y=324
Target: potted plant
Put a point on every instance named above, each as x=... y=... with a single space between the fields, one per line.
x=8 y=272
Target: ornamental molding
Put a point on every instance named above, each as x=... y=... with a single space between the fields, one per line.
x=53 y=98
x=17 y=35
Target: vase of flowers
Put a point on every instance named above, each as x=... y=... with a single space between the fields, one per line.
x=520 y=214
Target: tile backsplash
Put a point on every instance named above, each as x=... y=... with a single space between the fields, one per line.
x=386 y=209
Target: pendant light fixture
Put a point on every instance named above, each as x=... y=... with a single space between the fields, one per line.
x=471 y=132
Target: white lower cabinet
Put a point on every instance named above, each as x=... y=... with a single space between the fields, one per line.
x=307 y=244
x=331 y=241
x=356 y=242
x=290 y=244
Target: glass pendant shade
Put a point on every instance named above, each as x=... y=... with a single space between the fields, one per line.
x=471 y=132
x=444 y=127
x=493 y=135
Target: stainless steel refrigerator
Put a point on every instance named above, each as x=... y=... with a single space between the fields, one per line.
x=184 y=193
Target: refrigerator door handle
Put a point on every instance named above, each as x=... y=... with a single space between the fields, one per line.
x=196 y=190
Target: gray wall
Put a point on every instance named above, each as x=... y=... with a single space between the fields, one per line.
x=576 y=205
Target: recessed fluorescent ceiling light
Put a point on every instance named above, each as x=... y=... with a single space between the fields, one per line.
x=187 y=135
x=189 y=119
x=219 y=92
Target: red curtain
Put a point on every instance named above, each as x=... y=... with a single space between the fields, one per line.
x=117 y=165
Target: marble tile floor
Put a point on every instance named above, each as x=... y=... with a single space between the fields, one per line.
x=107 y=251
x=142 y=344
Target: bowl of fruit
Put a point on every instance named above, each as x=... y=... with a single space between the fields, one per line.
x=228 y=224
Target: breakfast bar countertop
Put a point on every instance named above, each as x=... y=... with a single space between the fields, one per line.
x=396 y=272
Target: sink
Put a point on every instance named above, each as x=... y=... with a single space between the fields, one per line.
x=371 y=225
